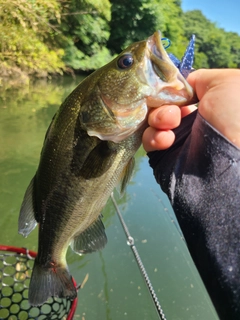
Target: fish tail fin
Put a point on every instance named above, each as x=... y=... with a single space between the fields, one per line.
x=46 y=282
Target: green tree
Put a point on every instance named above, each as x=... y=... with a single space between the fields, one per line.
x=137 y=19
x=85 y=31
x=233 y=41
x=174 y=25
x=131 y=21
x=25 y=37
x=214 y=47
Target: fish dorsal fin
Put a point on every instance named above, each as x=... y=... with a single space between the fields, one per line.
x=99 y=160
x=92 y=239
x=26 y=220
x=126 y=174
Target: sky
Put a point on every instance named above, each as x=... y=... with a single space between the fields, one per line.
x=226 y=13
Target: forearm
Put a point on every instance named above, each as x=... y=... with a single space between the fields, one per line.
x=200 y=174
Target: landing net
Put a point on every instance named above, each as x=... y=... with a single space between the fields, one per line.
x=15 y=272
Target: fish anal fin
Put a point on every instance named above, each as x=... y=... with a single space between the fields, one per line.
x=50 y=282
x=126 y=174
x=92 y=239
x=27 y=221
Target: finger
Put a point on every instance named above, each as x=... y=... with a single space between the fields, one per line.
x=157 y=140
x=165 y=117
x=219 y=95
x=204 y=80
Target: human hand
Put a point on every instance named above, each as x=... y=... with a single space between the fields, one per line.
x=218 y=91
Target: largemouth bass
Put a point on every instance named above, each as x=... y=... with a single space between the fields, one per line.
x=88 y=150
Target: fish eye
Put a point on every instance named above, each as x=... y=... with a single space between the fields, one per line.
x=125 y=61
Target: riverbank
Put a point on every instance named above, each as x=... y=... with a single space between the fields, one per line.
x=15 y=78
x=12 y=76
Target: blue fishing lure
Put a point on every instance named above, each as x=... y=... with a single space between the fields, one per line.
x=185 y=65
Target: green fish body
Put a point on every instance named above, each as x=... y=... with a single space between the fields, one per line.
x=89 y=149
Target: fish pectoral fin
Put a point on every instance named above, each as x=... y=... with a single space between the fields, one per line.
x=126 y=174
x=99 y=160
x=26 y=220
x=92 y=239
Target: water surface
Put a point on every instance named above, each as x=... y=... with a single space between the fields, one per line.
x=115 y=289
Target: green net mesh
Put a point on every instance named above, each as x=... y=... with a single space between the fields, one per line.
x=15 y=273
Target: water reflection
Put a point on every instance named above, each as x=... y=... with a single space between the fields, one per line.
x=115 y=288
x=106 y=289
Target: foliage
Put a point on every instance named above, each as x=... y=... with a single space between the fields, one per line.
x=85 y=30
x=25 y=30
x=213 y=45
x=131 y=21
x=233 y=40
x=138 y=19
x=40 y=37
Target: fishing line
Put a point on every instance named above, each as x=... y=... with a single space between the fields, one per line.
x=130 y=242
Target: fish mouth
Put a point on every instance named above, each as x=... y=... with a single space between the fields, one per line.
x=159 y=58
x=170 y=85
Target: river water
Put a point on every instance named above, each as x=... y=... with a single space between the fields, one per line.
x=115 y=289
